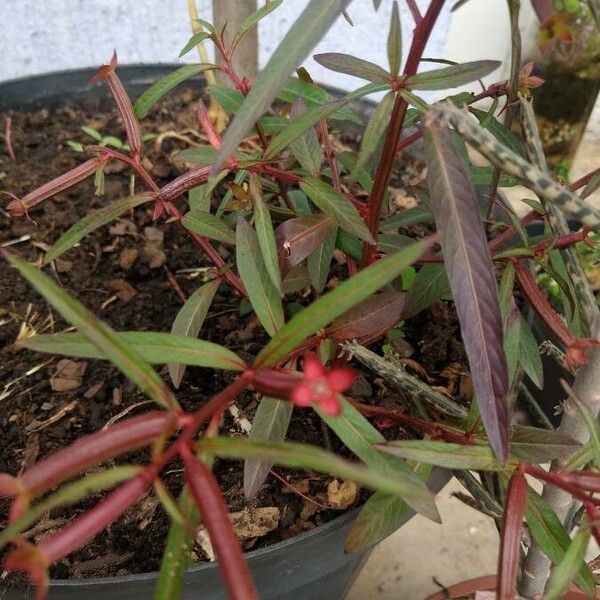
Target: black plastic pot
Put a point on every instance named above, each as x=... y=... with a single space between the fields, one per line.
x=309 y=566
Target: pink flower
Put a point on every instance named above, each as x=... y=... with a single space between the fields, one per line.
x=319 y=386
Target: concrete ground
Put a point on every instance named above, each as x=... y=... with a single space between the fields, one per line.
x=403 y=566
x=465 y=545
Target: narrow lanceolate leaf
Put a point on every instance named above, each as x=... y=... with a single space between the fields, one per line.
x=472 y=280
x=189 y=320
x=164 y=85
x=256 y=16
x=529 y=357
x=359 y=436
x=307 y=148
x=153 y=347
x=394 y=42
x=541 y=183
x=308 y=29
x=381 y=515
x=373 y=133
x=209 y=226
x=262 y=293
x=351 y=65
x=206 y=493
x=67 y=495
x=337 y=206
x=534 y=445
x=264 y=231
x=553 y=538
x=338 y=301
x=303 y=456
x=91 y=222
x=445 y=454
x=319 y=261
x=567 y=569
x=368 y=320
x=299 y=126
x=452 y=76
x=270 y=422
x=430 y=284
x=101 y=337
x=509 y=558
x=298 y=238
x=178 y=551
x=194 y=41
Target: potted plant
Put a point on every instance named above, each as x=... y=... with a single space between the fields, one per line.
x=304 y=241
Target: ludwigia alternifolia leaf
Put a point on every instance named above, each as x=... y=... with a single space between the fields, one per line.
x=472 y=280
x=541 y=183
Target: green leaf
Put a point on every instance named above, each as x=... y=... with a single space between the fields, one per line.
x=194 y=41
x=338 y=301
x=265 y=233
x=498 y=130
x=379 y=517
x=552 y=538
x=390 y=243
x=319 y=261
x=189 y=320
x=229 y=99
x=178 y=551
x=373 y=133
x=337 y=206
x=104 y=341
x=307 y=148
x=262 y=293
x=308 y=29
x=430 y=285
x=410 y=216
x=303 y=456
x=256 y=16
x=91 y=222
x=164 y=85
x=529 y=357
x=445 y=454
x=271 y=422
x=359 y=436
x=299 y=126
x=569 y=566
x=69 y=494
x=314 y=95
x=351 y=65
x=394 y=41
x=154 y=347
x=198 y=199
x=452 y=76
x=534 y=445
x=209 y=226
x=592 y=425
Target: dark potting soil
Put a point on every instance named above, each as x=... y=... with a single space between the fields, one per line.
x=135 y=274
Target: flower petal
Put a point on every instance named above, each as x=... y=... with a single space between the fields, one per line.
x=313 y=369
x=341 y=379
x=302 y=395
x=330 y=405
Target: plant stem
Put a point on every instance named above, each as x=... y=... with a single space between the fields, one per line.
x=386 y=162
x=586 y=389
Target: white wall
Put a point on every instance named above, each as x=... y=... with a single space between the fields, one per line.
x=40 y=36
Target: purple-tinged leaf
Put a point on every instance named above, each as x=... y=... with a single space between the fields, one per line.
x=472 y=281
x=207 y=495
x=536 y=446
x=270 y=422
x=58 y=184
x=319 y=261
x=509 y=558
x=351 y=65
x=130 y=122
x=298 y=238
x=368 y=320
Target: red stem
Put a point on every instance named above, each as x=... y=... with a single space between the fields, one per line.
x=8 y=138
x=386 y=162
